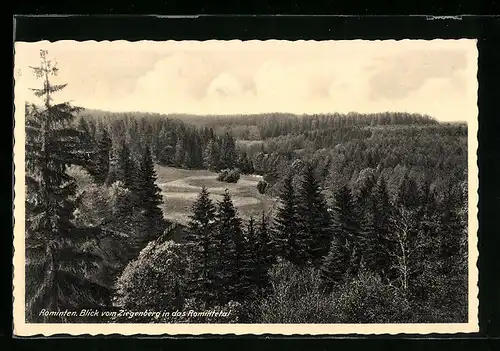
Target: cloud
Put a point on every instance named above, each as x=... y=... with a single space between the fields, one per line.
x=396 y=77
x=251 y=77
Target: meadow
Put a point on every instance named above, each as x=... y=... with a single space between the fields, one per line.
x=180 y=188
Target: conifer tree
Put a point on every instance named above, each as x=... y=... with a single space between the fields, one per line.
x=180 y=153
x=344 y=256
x=228 y=153
x=228 y=237
x=246 y=251
x=85 y=133
x=102 y=162
x=244 y=164
x=201 y=237
x=126 y=171
x=266 y=245
x=149 y=197
x=261 y=249
x=59 y=255
x=290 y=243
x=211 y=155
x=316 y=226
x=378 y=227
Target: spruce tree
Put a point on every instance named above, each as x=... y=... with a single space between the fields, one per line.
x=149 y=197
x=244 y=164
x=316 y=225
x=291 y=245
x=248 y=262
x=201 y=237
x=262 y=253
x=266 y=245
x=228 y=235
x=126 y=172
x=180 y=153
x=228 y=153
x=344 y=256
x=210 y=156
x=102 y=161
x=378 y=245
x=59 y=255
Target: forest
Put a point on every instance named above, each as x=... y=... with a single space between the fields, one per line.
x=371 y=226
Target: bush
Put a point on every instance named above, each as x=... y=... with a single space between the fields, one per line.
x=155 y=280
x=262 y=186
x=365 y=299
x=229 y=176
x=297 y=296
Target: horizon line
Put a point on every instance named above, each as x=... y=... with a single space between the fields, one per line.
x=166 y=114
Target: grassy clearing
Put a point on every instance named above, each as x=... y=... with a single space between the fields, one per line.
x=180 y=188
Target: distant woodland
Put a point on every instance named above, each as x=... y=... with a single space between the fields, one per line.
x=371 y=225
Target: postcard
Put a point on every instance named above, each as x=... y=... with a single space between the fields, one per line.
x=245 y=187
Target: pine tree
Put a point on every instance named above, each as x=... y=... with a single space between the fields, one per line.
x=262 y=257
x=244 y=164
x=248 y=262
x=316 y=226
x=291 y=245
x=228 y=235
x=84 y=128
x=102 y=162
x=180 y=153
x=149 y=197
x=59 y=256
x=378 y=226
x=228 y=153
x=126 y=171
x=266 y=246
x=201 y=237
x=344 y=256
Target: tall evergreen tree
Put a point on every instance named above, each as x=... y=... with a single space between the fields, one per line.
x=377 y=246
x=180 y=153
x=228 y=154
x=228 y=237
x=212 y=157
x=201 y=236
x=248 y=262
x=244 y=164
x=126 y=171
x=266 y=245
x=59 y=255
x=262 y=253
x=344 y=256
x=102 y=161
x=316 y=225
x=291 y=244
x=149 y=196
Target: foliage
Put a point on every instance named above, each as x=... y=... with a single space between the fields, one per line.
x=229 y=175
x=155 y=280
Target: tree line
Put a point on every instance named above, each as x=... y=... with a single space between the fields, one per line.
x=172 y=142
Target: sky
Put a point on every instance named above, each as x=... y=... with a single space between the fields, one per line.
x=435 y=77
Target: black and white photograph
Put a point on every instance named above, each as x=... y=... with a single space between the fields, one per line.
x=245 y=187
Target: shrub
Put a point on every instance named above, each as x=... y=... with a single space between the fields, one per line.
x=221 y=177
x=365 y=299
x=229 y=175
x=296 y=297
x=155 y=280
